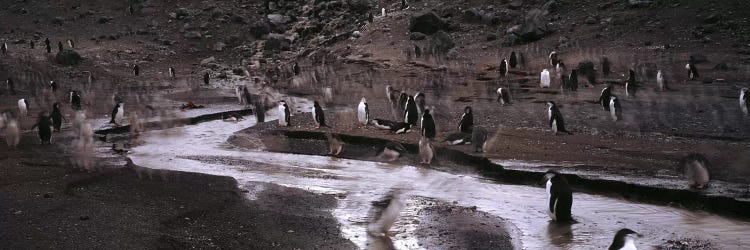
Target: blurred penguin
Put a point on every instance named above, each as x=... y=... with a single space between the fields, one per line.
x=387 y=218
x=631 y=86
x=335 y=146
x=392 y=95
x=411 y=114
x=171 y=72
x=555 y=118
x=284 y=114
x=206 y=78
x=71 y=43
x=544 y=79
x=660 y=81
x=458 y=139
x=420 y=100
x=23 y=107
x=428 y=125
x=318 y=116
x=363 y=112
x=572 y=80
x=391 y=151
x=53 y=86
x=60 y=47
x=614 y=108
x=118 y=114
x=503 y=69
x=606 y=66
x=744 y=101
x=513 y=60
x=553 y=60
x=44 y=128
x=426 y=151
x=692 y=71
x=57 y=116
x=697 y=170
x=478 y=139
x=604 y=97
x=503 y=96
x=466 y=124
x=624 y=240
x=4 y=48
x=12 y=129
x=136 y=70
x=75 y=100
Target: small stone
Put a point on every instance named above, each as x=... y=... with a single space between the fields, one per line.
x=590 y=20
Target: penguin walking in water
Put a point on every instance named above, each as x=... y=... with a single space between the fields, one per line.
x=118 y=114
x=606 y=66
x=420 y=101
x=614 y=108
x=388 y=216
x=544 y=79
x=428 y=125
x=479 y=139
x=555 y=118
x=335 y=145
x=631 y=85
x=426 y=151
x=284 y=114
x=411 y=114
x=692 y=71
x=503 y=96
x=458 y=139
x=171 y=72
x=318 y=115
x=75 y=100
x=503 y=69
x=391 y=151
x=467 y=121
x=206 y=78
x=744 y=101
x=23 y=107
x=57 y=116
x=45 y=128
x=604 y=97
x=559 y=197
x=553 y=59
x=697 y=170
x=363 y=112
x=4 y=48
x=660 y=81
x=624 y=240
x=53 y=86
x=12 y=129
x=513 y=60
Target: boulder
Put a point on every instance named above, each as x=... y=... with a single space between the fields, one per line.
x=277 y=42
x=181 y=13
x=360 y=6
x=68 y=57
x=427 y=23
x=532 y=29
x=441 y=42
x=417 y=36
x=104 y=19
x=193 y=35
x=278 y=19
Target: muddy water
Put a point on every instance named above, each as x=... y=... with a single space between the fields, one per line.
x=203 y=148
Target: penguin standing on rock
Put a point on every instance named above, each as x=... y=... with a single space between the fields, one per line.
x=426 y=150
x=513 y=60
x=391 y=151
x=559 y=196
x=503 y=96
x=428 y=125
x=44 y=126
x=57 y=116
x=467 y=121
x=631 y=85
x=503 y=69
x=23 y=107
x=318 y=115
x=697 y=170
x=171 y=72
x=624 y=240
x=118 y=114
x=284 y=114
x=479 y=139
x=411 y=113
x=692 y=71
x=604 y=97
x=744 y=100
x=136 y=70
x=363 y=112
x=614 y=108
x=555 y=118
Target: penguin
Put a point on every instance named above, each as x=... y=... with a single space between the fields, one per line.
x=4 y=48
x=391 y=151
x=513 y=60
x=614 y=108
x=417 y=51
x=239 y=91
x=284 y=114
x=503 y=96
x=392 y=95
x=23 y=107
x=631 y=84
x=478 y=139
x=660 y=80
x=11 y=87
x=458 y=139
x=335 y=146
x=426 y=150
x=44 y=126
x=382 y=124
x=692 y=71
x=131 y=10
x=402 y=99
x=467 y=121
x=744 y=101
x=206 y=78
x=57 y=116
x=388 y=216
x=318 y=115
x=382 y=12
x=553 y=58
x=404 y=5
x=229 y=118
x=606 y=66
x=697 y=170
x=428 y=125
x=363 y=112
x=60 y=47
x=624 y=240
x=75 y=100
x=296 y=69
x=401 y=127
x=411 y=114
x=503 y=69
x=136 y=70
x=604 y=97
x=420 y=100
x=31 y=44
x=47 y=42
x=573 y=80
x=559 y=196
x=544 y=80
x=555 y=118
x=48 y=48
x=71 y=44
x=560 y=67
x=118 y=114
x=12 y=129
x=53 y=86
x=171 y=72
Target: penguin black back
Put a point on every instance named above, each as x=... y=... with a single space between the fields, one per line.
x=56 y=116
x=604 y=97
x=560 y=196
x=513 y=60
x=467 y=121
x=573 y=80
x=606 y=66
x=411 y=113
x=619 y=240
x=319 y=116
x=428 y=125
x=44 y=126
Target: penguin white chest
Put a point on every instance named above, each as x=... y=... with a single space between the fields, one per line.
x=549 y=197
x=282 y=115
x=629 y=244
x=120 y=114
x=362 y=113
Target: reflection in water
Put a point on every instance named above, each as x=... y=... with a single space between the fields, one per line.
x=202 y=148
